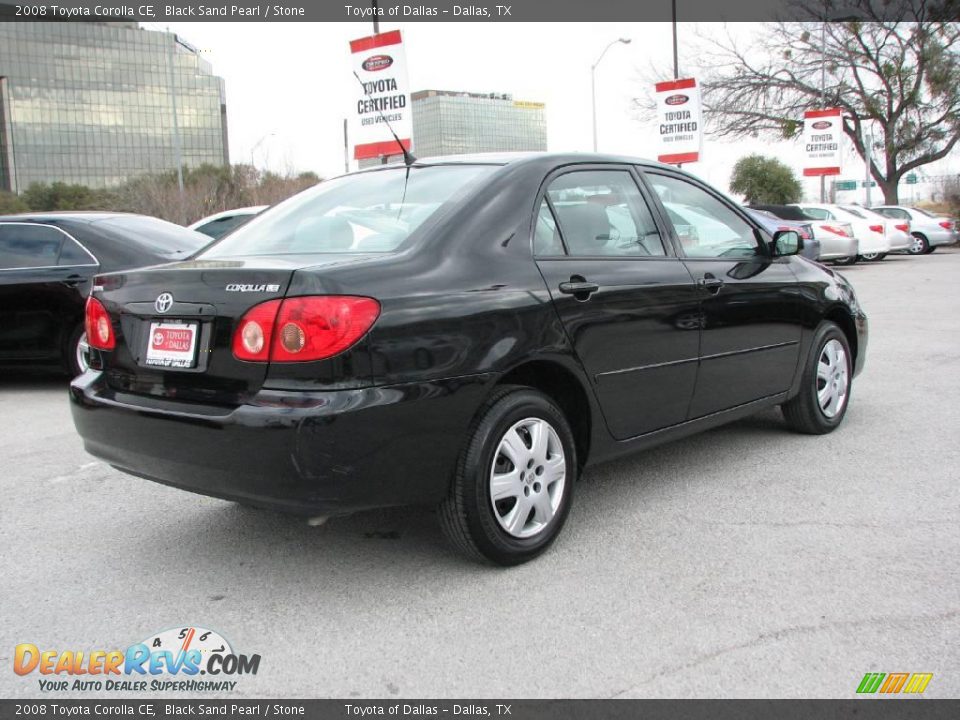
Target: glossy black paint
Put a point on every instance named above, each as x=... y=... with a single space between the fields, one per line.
x=42 y=306
x=664 y=347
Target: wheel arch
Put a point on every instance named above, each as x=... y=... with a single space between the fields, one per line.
x=566 y=389
x=841 y=317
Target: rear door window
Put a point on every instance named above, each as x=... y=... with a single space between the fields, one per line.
x=24 y=245
x=602 y=213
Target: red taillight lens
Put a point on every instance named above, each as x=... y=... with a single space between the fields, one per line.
x=947 y=225
x=877 y=228
x=97 y=323
x=251 y=339
x=835 y=230
x=903 y=227
x=314 y=328
x=303 y=329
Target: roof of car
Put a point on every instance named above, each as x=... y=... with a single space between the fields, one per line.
x=515 y=158
x=85 y=216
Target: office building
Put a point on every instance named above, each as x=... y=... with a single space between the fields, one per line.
x=93 y=104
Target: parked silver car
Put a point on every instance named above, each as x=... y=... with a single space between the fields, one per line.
x=929 y=231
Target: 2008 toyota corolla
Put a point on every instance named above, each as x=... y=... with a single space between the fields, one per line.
x=466 y=332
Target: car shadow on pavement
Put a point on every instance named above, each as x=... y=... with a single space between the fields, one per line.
x=399 y=542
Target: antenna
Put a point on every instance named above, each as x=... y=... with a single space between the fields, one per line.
x=408 y=157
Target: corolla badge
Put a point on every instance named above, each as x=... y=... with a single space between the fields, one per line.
x=163 y=302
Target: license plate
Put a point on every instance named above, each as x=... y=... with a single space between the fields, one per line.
x=172 y=344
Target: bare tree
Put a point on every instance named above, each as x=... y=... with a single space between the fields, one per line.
x=896 y=71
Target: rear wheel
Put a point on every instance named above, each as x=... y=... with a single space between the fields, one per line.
x=919 y=246
x=820 y=405
x=847 y=261
x=514 y=482
x=75 y=352
x=873 y=257
x=930 y=249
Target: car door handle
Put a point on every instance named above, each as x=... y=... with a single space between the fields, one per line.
x=710 y=283
x=578 y=287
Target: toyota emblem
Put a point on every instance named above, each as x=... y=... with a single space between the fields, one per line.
x=164 y=302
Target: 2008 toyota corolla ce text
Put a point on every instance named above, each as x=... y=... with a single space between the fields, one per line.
x=467 y=332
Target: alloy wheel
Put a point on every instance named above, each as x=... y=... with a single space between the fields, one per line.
x=81 y=350
x=917 y=246
x=833 y=378
x=527 y=477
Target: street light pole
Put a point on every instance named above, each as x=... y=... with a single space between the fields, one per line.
x=593 y=85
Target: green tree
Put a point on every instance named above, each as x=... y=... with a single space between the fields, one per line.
x=895 y=75
x=10 y=204
x=765 y=180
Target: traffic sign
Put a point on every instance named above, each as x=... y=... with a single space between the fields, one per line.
x=912 y=179
x=863 y=183
x=845 y=184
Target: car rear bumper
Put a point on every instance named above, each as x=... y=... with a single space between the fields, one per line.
x=946 y=237
x=837 y=248
x=308 y=452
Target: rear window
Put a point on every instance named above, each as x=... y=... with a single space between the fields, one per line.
x=371 y=212
x=157 y=236
x=221 y=226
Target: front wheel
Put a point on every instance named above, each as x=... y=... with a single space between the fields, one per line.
x=820 y=405
x=514 y=482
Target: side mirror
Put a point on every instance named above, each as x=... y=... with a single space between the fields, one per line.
x=786 y=242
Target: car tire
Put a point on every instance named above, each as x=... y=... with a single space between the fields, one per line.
x=75 y=352
x=825 y=385
x=930 y=249
x=847 y=260
x=920 y=245
x=873 y=257
x=533 y=479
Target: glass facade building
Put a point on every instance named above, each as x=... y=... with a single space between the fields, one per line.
x=457 y=123
x=92 y=104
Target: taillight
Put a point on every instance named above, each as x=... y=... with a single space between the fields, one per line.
x=806 y=232
x=877 y=228
x=903 y=227
x=835 y=230
x=947 y=225
x=98 y=327
x=251 y=340
x=303 y=329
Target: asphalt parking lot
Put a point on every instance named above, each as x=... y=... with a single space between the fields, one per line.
x=745 y=562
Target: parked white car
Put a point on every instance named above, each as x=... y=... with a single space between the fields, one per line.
x=929 y=231
x=897 y=230
x=871 y=234
x=836 y=239
x=218 y=225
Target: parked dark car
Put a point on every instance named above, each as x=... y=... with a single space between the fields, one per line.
x=467 y=332
x=47 y=264
x=772 y=224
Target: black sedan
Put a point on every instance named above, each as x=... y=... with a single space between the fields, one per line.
x=467 y=332
x=47 y=264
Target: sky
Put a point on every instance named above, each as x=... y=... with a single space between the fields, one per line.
x=289 y=86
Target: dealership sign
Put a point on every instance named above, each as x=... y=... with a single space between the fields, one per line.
x=679 y=121
x=822 y=142
x=382 y=96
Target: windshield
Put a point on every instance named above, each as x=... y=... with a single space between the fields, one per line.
x=371 y=212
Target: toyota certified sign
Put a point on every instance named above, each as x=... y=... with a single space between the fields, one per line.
x=381 y=97
x=679 y=121
x=822 y=142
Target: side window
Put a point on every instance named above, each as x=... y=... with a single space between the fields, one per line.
x=602 y=213
x=706 y=226
x=72 y=254
x=28 y=246
x=546 y=237
x=898 y=213
x=817 y=213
